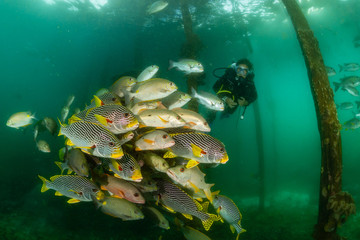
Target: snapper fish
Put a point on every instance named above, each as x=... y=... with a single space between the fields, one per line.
x=20 y=119
x=187 y=65
x=193 y=120
x=152 y=89
x=229 y=212
x=209 y=100
x=75 y=160
x=92 y=138
x=43 y=146
x=175 y=199
x=122 y=85
x=192 y=179
x=176 y=100
x=148 y=73
x=119 y=208
x=50 y=125
x=123 y=189
x=141 y=106
x=162 y=221
x=126 y=168
x=351 y=81
x=189 y=232
x=330 y=71
x=156 y=7
x=75 y=187
x=154 y=140
x=155 y=162
x=160 y=118
x=349 y=67
x=353 y=123
x=116 y=118
x=196 y=146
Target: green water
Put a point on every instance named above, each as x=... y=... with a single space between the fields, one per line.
x=48 y=52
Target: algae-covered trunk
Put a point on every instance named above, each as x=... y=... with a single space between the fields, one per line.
x=334 y=205
x=190 y=49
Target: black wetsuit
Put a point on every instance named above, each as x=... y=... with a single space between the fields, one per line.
x=229 y=85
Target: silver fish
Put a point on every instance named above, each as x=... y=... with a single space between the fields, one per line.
x=122 y=85
x=187 y=65
x=20 y=119
x=43 y=146
x=156 y=7
x=345 y=105
x=193 y=120
x=50 y=124
x=154 y=140
x=64 y=113
x=148 y=73
x=209 y=100
x=176 y=100
x=353 y=123
x=349 y=67
x=330 y=71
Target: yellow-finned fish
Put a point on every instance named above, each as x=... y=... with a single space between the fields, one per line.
x=152 y=89
x=116 y=118
x=75 y=187
x=141 y=106
x=154 y=161
x=193 y=119
x=20 y=119
x=154 y=140
x=119 y=208
x=175 y=199
x=126 y=168
x=192 y=179
x=229 y=212
x=122 y=85
x=92 y=139
x=189 y=232
x=160 y=118
x=197 y=146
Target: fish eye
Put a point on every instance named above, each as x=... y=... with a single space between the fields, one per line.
x=126 y=114
x=182 y=169
x=222 y=149
x=113 y=99
x=171 y=84
x=178 y=117
x=165 y=136
x=131 y=168
x=205 y=123
x=111 y=144
x=136 y=194
x=149 y=115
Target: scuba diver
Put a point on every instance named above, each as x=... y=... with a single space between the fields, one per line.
x=236 y=87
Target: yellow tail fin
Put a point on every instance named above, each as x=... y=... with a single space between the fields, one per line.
x=208 y=222
x=44 y=188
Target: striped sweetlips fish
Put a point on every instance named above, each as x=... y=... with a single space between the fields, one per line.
x=92 y=138
x=175 y=199
x=116 y=118
x=77 y=188
x=196 y=146
x=126 y=168
x=229 y=212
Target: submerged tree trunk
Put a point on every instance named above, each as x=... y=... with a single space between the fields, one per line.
x=334 y=205
x=190 y=49
x=260 y=148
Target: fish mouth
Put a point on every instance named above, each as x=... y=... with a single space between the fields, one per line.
x=134 y=123
x=118 y=154
x=137 y=177
x=224 y=159
x=169 y=144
